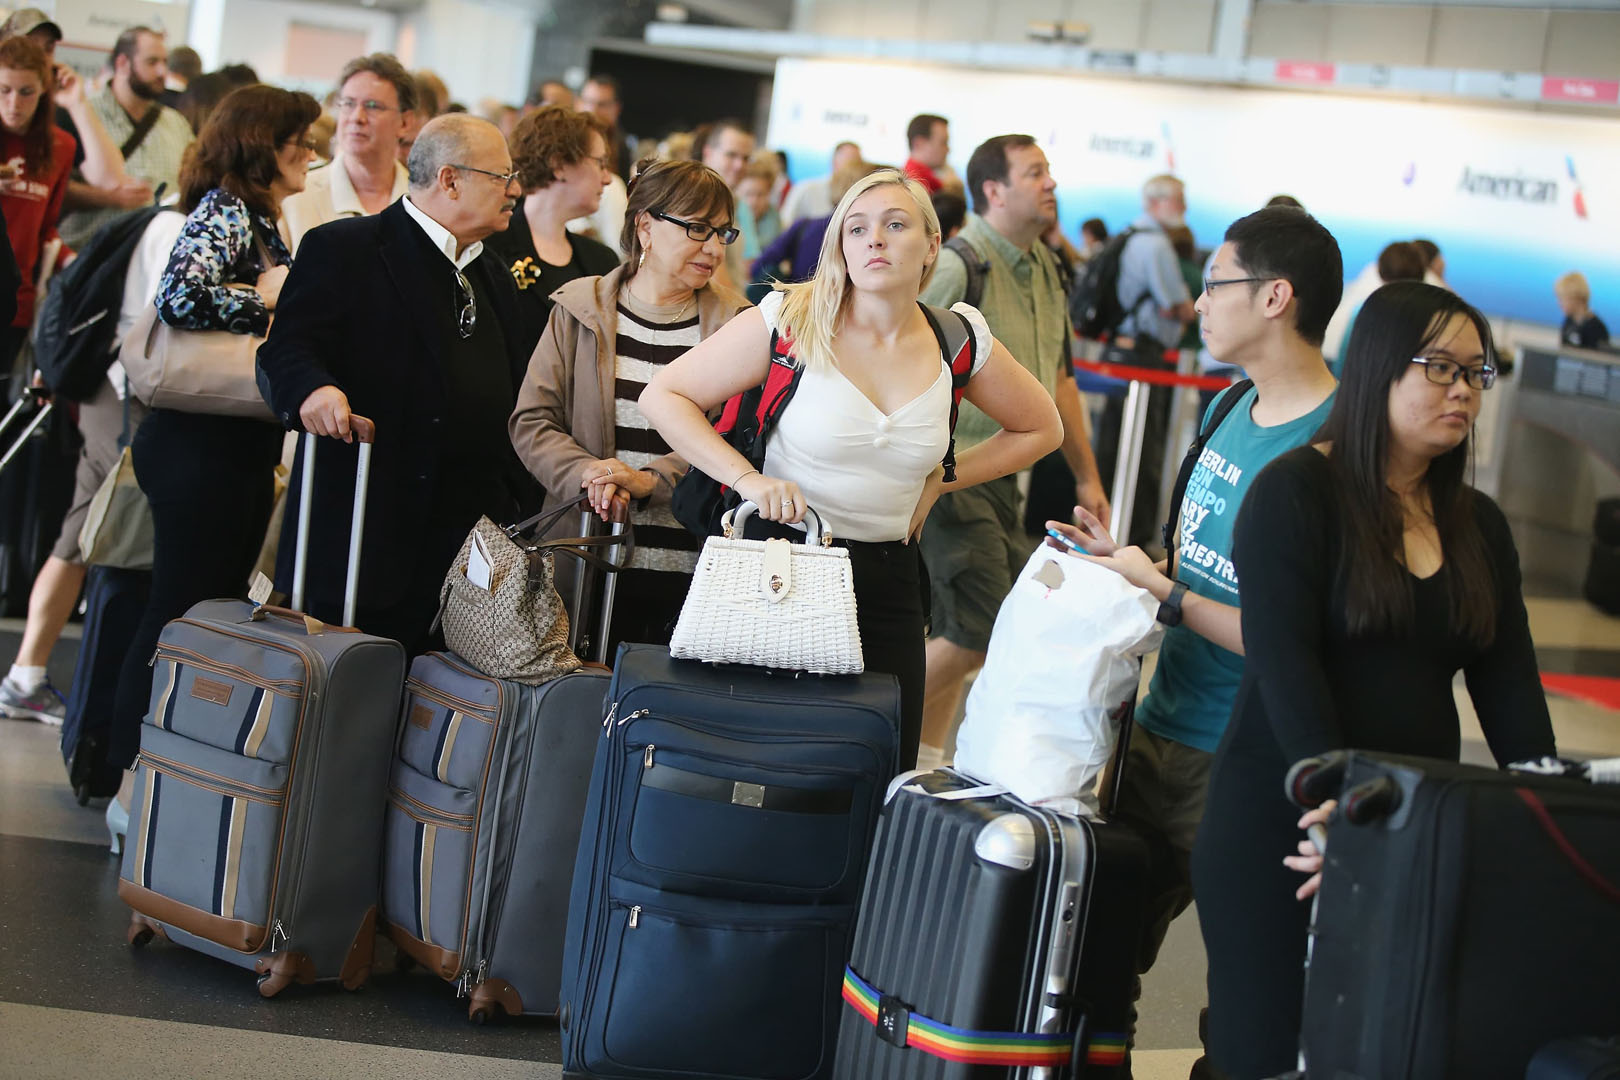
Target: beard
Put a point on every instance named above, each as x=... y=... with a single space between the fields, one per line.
x=146 y=91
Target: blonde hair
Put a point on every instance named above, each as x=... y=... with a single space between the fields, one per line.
x=812 y=311
x=1574 y=286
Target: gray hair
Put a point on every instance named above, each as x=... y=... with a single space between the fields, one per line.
x=1163 y=186
x=444 y=140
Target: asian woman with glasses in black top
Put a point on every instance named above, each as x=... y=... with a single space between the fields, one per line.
x=1372 y=573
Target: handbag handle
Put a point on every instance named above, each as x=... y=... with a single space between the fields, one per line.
x=815 y=533
x=577 y=545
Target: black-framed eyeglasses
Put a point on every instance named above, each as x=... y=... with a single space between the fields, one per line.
x=1447 y=372
x=467 y=317
x=1211 y=284
x=700 y=230
x=506 y=179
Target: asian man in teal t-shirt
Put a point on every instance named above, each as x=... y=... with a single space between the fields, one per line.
x=1270 y=290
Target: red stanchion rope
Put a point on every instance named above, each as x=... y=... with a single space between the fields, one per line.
x=1153 y=376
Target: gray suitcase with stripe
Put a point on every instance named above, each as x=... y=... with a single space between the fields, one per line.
x=256 y=827
x=484 y=811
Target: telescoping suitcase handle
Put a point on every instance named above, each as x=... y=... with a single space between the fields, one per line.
x=362 y=481
x=32 y=395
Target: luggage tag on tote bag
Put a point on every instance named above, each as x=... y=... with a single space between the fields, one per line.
x=478 y=565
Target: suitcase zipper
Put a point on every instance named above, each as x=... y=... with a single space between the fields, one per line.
x=608 y=723
x=427 y=814
x=421 y=689
x=635 y=912
x=219 y=785
x=286 y=687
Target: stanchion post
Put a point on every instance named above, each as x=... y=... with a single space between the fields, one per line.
x=1128 y=462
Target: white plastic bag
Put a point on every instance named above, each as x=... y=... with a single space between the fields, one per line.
x=1062 y=669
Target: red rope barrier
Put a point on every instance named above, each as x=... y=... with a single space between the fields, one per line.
x=1153 y=376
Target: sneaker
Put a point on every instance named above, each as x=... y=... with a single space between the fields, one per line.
x=44 y=704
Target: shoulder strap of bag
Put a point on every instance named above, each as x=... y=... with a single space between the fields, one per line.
x=143 y=127
x=1222 y=409
x=958 y=346
x=977 y=266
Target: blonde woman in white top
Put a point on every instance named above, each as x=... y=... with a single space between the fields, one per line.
x=863 y=438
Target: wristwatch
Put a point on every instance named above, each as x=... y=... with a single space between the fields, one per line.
x=1170 y=610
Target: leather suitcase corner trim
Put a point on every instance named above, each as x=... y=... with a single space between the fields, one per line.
x=235 y=934
x=442 y=962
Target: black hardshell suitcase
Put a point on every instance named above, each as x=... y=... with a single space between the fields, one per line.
x=995 y=939
x=115 y=600
x=726 y=835
x=1467 y=918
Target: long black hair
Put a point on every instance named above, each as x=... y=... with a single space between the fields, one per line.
x=1400 y=321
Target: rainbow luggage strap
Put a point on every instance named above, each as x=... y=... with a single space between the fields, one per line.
x=903 y=1028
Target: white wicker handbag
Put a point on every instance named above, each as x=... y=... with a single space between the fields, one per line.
x=771 y=603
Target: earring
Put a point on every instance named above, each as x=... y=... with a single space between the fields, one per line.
x=643 y=260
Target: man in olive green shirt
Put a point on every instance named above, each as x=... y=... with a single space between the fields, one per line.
x=974 y=543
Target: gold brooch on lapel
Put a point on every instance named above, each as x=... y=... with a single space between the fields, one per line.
x=525 y=272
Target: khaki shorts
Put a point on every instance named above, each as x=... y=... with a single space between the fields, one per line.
x=101 y=423
x=974 y=545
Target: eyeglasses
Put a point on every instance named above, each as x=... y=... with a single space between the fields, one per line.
x=1447 y=372
x=308 y=144
x=467 y=318
x=506 y=179
x=1211 y=284
x=370 y=107
x=700 y=230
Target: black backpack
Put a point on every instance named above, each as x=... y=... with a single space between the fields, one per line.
x=977 y=267
x=1094 y=305
x=74 y=344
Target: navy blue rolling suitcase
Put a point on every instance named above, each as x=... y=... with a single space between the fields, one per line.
x=726 y=837
x=114 y=601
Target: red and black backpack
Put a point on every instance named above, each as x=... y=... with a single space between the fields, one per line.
x=748 y=419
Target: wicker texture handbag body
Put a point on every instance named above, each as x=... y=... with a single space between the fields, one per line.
x=517 y=628
x=771 y=603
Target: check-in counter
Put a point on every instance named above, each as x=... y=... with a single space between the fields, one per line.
x=1558 y=453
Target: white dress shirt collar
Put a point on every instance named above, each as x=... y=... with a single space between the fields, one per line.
x=442 y=238
x=345 y=201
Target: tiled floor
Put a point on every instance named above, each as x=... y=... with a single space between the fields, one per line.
x=74 y=998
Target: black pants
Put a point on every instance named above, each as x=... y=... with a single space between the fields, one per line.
x=891 y=590
x=646 y=604
x=208 y=479
x=1144 y=525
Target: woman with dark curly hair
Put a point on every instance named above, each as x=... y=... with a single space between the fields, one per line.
x=561 y=157
x=209 y=478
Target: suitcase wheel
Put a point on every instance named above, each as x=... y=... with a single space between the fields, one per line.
x=142 y=930
x=272 y=983
x=492 y=997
